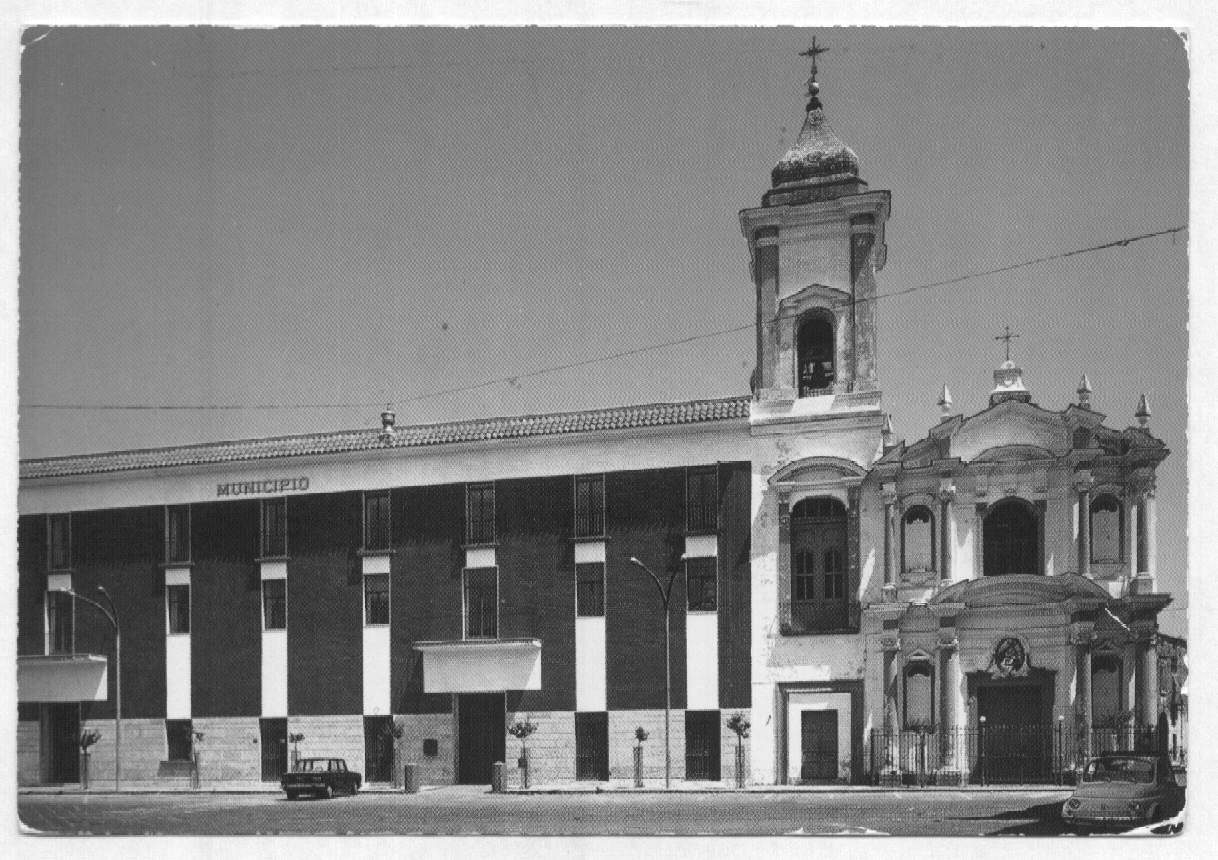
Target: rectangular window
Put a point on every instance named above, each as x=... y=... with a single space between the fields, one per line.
x=177 y=533
x=177 y=601
x=590 y=589
x=700 y=582
x=59 y=541
x=481 y=603
x=376 y=598
x=60 y=626
x=701 y=499
x=479 y=513
x=592 y=745
x=376 y=521
x=179 y=739
x=274 y=531
x=589 y=505
x=274 y=604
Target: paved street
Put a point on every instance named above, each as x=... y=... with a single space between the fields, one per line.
x=465 y=810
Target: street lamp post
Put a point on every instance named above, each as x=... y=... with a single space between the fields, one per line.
x=112 y=616
x=665 y=598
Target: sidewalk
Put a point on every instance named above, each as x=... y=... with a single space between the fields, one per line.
x=163 y=787
x=692 y=787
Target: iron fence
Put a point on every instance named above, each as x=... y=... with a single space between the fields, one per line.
x=1018 y=754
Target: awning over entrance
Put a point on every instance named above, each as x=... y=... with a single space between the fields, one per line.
x=481 y=665
x=61 y=678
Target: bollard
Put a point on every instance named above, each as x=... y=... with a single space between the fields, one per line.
x=638 y=767
x=410 y=778
x=497 y=777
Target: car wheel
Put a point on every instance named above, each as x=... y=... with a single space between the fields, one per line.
x=1152 y=814
x=292 y=795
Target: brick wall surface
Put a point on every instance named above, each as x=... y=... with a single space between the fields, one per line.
x=121 y=550
x=226 y=611
x=325 y=605
x=31 y=583
x=433 y=770
x=29 y=755
x=230 y=749
x=644 y=518
x=425 y=602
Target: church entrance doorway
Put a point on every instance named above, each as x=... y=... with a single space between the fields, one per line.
x=1015 y=741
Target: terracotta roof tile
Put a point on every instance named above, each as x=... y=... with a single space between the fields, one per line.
x=342 y=441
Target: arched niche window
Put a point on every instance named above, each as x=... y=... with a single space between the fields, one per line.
x=1106 y=700
x=816 y=355
x=919 y=695
x=1011 y=538
x=818 y=564
x=1107 y=528
x=918 y=539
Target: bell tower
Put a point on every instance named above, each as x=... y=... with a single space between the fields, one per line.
x=815 y=244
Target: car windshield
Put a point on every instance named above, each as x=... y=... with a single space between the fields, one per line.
x=1120 y=769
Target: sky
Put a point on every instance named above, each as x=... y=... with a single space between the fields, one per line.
x=308 y=217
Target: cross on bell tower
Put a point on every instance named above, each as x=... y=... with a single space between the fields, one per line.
x=813 y=87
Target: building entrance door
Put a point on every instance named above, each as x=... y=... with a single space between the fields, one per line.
x=62 y=733
x=1016 y=739
x=274 y=733
x=702 y=745
x=818 y=745
x=480 y=736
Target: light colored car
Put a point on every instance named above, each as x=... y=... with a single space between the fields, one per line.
x=1121 y=790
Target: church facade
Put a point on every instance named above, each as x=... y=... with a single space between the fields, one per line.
x=977 y=605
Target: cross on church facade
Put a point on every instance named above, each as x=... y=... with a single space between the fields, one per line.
x=1008 y=337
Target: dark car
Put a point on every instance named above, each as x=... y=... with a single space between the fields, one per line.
x=322 y=776
x=1123 y=790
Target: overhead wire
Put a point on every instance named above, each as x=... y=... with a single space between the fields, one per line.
x=515 y=378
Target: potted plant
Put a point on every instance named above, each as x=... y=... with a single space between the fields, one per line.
x=294 y=739
x=740 y=726
x=88 y=738
x=640 y=735
x=522 y=729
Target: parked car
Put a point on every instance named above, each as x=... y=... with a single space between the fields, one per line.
x=1123 y=790
x=323 y=776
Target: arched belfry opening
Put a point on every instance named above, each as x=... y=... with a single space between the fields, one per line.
x=1012 y=538
x=817 y=367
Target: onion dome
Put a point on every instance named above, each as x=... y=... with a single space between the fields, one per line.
x=819 y=166
x=818 y=155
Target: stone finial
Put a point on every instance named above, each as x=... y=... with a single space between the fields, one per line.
x=387 y=421
x=886 y=431
x=1084 y=392
x=1143 y=413
x=945 y=403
